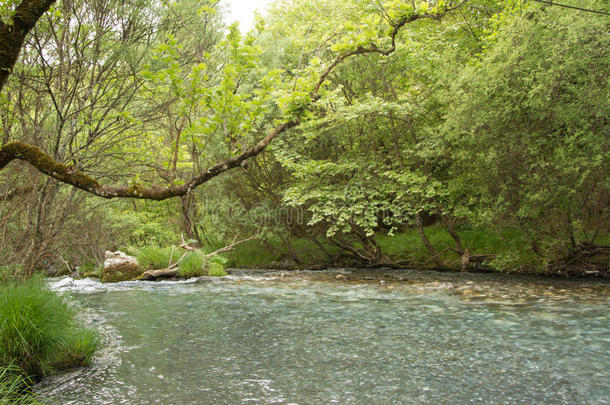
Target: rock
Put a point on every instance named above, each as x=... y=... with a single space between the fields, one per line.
x=403 y=279
x=382 y=282
x=341 y=277
x=118 y=257
x=120 y=267
x=121 y=272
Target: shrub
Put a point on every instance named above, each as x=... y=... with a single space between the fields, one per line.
x=38 y=330
x=154 y=257
x=216 y=269
x=194 y=264
x=220 y=259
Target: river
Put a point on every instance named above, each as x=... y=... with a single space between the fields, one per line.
x=371 y=338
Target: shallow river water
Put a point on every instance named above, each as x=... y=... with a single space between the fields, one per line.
x=308 y=338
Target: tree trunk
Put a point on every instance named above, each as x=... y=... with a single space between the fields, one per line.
x=459 y=247
x=12 y=35
x=186 y=204
x=431 y=250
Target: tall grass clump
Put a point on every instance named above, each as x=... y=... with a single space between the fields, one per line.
x=197 y=264
x=154 y=257
x=217 y=266
x=193 y=264
x=14 y=387
x=39 y=333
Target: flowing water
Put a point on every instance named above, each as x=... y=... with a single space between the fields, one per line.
x=308 y=338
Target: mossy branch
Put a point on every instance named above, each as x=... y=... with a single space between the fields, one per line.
x=71 y=175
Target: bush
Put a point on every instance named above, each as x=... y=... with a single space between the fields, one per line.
x=39 y=332
x=216 y=270
x=154 y=257
x=194 y=264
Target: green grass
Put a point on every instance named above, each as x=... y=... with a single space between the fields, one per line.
x=216 y=270
x=255 y=253
x=39 y=331
x=509 y=246
x=14 y=387
x=405 y=246
x=603 y=239
x=252 y=254
x=193 y=264
x=154 y=257
x=196 y=264
x=408 y=245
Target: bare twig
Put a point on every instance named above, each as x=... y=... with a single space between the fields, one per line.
x=230 y=247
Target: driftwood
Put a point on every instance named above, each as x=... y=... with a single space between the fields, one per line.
x=169 y=272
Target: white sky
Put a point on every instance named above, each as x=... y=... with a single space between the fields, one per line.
x=243 y=11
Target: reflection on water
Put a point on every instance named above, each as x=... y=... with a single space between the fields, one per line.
x=311 y=339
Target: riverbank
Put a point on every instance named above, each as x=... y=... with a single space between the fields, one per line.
x=40 y=335
x=488 y=252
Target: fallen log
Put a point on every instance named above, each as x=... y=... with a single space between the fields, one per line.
x=169 y=272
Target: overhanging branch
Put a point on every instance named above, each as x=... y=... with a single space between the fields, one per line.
x=70 y=175
x=11 y=40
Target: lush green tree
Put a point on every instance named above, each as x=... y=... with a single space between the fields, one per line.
x=368 y=160
x=396 y=117
x=528 y=129
x=202 y=96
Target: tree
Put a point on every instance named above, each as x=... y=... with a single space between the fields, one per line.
x=528 y=129
x=79 y=86
x=369 y=162
x=359 y=40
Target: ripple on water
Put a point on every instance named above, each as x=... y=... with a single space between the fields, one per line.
x=309 y=338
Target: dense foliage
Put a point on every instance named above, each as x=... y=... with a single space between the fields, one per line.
x=455 y=135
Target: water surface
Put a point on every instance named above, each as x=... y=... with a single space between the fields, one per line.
x=307 y=338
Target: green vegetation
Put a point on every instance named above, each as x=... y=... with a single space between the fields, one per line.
x=40 y=335
x=13 y=387
x=216 y=270
x=194 y=264
x=445 y=134
x=154 y=257
x=459 y=135
x=190 y=264
x=217 y=266
x=404 y=247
